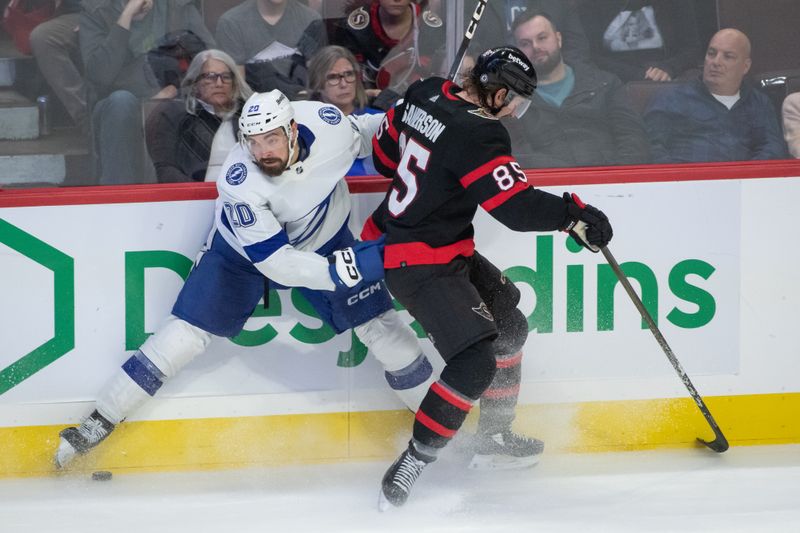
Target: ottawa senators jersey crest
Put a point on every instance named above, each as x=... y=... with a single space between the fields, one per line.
x=431 y=19
x=358 y=19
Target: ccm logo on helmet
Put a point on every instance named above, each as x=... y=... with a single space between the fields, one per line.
x=364 y=293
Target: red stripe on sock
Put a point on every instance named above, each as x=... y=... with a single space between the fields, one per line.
x=496 y=394
x=434 y=426
x=509 y=362
x=451 y=398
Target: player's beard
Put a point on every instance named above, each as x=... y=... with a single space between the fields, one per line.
x=273 y=166
x=545 y=64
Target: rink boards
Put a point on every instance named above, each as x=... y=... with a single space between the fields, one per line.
x=86 y=275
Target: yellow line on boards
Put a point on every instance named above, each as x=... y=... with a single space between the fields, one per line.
x=211 y=443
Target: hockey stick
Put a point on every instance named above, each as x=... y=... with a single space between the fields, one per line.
x=468 y=35
x=720 y=443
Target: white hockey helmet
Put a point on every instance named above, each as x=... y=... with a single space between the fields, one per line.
x=264 y=112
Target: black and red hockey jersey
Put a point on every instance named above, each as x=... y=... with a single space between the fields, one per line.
x=387 y=62
x=446 y=157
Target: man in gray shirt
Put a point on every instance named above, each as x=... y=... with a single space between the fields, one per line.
x=115 y=38
x=272 y=40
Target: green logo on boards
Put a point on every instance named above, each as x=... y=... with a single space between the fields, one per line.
x=539 y=277
x=136 y=263
x=63 y=339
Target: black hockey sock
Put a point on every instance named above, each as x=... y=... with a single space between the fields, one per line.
x=440 y=415
x=499 y=401
x=447 y=403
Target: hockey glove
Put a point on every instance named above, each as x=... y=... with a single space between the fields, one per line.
x=588 y=225
x=362 y=262
x=386 y=99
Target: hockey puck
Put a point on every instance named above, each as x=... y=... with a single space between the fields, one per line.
x=101 y=475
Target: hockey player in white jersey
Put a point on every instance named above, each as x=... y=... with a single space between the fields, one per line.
x=281 y=214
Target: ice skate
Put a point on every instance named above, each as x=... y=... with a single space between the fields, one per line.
x=400 y=477
x=79 y=440
x=505 y=450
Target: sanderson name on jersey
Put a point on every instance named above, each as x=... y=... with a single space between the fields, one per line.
x=424 y=123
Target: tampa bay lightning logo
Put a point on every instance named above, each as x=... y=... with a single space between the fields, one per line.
x=236 y=174
x=331 y=115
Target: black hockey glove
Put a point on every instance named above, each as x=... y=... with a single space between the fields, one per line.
x=385 y=100
x=588 y=225
x=362 y=262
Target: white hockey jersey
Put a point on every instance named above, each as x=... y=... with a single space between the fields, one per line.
x=278 y=222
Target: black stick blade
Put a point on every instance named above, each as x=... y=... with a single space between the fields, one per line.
x=719 y=445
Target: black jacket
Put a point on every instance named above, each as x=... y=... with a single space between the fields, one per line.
x=595 y=126
x=178 y=142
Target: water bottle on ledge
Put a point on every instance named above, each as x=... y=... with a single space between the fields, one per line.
x=44 y=119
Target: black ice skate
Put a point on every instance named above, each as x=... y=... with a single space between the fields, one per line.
x=79 y=440
x=398 y=480
x=506 y=450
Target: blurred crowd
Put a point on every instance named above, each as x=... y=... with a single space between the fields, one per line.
x=157 y=85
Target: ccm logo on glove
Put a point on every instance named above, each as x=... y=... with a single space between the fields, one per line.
x=363 y=262
x=346 y=269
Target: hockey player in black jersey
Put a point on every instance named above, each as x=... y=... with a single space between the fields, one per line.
x=447 y=153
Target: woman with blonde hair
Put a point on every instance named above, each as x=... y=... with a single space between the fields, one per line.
x=189 y=139
x=334 y=77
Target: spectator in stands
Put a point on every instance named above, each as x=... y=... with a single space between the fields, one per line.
x=396 y=42
x=272 y=40
x=180 y=133
x=334 y=77
x=579 y=115
x=642 y=39
x=55 y=46
x=716 y=117
x=115 y=37
x=791 y=123
x=499 y=16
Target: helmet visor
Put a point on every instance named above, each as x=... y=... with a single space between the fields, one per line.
x=515 y=104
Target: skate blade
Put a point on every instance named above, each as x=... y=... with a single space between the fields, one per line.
x=383 y=503
x=64 y=455
x=502 y=462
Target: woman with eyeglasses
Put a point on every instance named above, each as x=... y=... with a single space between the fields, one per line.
x=334 y=77
x=189 y=139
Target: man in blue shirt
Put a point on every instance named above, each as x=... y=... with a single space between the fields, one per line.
x=716 y=117
x=579 y=115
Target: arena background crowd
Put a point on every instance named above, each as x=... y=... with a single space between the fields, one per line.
x=106 y=92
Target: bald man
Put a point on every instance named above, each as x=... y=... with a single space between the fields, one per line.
x=727 y=62
x=718 y=117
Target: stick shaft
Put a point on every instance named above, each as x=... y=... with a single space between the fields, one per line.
x=468 y=35
x=623 y=279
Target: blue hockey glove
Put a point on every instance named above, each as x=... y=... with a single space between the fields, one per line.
x=362 y=262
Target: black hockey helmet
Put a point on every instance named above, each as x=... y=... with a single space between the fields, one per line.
x=506 y=66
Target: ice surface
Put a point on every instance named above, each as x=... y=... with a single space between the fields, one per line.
x=753 y=489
